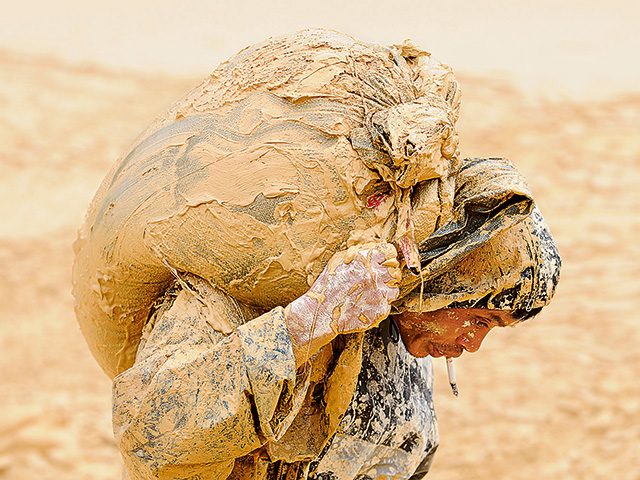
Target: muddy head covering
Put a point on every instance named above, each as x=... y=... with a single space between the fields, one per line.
x=497 y=253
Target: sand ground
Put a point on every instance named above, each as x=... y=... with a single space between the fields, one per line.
x=556 y=398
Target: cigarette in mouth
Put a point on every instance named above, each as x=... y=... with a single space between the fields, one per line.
x=451 y=371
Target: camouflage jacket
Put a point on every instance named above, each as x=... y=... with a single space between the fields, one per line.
x=201 y=404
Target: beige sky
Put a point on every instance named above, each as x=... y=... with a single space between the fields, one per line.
x=571 y=47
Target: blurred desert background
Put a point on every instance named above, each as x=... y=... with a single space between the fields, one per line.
x=553 y=86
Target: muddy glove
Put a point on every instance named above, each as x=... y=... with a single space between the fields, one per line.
x=352 y=294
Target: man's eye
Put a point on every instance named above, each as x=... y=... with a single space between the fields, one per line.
x=482 y=323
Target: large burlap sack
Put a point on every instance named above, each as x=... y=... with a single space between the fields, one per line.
x=290 y=151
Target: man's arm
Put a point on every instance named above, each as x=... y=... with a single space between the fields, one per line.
x=353 y=294
x=196 y=399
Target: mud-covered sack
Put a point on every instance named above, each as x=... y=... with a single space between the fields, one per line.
x=290 y=151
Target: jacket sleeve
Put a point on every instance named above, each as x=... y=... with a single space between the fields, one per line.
x=197 y=399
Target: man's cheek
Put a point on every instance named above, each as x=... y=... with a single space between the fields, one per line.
x=417 y=346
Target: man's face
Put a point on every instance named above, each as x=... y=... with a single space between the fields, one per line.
x=449 y=331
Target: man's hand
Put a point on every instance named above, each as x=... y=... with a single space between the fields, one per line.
x=352 y=294
x=357 y=287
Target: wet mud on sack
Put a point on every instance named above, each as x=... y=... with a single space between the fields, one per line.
x=290 y=151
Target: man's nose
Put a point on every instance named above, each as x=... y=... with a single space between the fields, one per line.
x=471 y=341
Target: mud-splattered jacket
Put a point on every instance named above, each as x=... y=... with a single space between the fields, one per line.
x=200 y=404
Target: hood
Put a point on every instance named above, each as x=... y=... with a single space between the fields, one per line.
x=497 y=253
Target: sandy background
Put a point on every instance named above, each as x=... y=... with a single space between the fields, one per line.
x=553 y=87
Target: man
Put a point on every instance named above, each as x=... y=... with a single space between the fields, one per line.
x=237 y=269
x=301 y=391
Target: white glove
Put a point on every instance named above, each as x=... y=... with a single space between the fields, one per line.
x=352 y=294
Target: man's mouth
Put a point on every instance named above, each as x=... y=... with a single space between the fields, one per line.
x=442 y=350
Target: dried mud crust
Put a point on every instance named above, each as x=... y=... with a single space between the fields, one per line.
x=272 y=160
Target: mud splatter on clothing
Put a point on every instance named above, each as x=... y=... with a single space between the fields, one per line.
x=201 y=404
x=389 y=429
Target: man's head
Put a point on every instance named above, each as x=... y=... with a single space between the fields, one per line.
x=506 y=280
